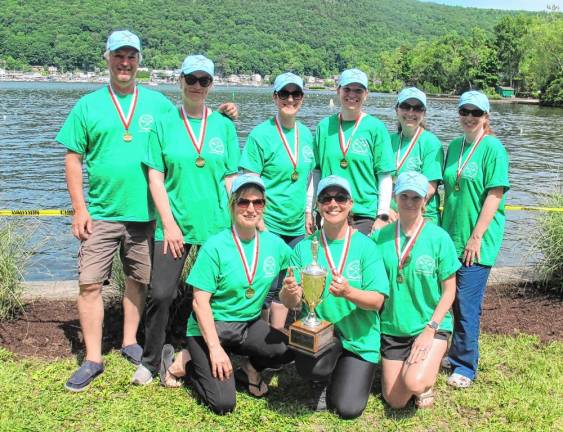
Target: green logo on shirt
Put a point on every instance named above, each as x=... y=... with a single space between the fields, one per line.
x=308 y=154
x=269 y=266
x=471 y=170
x=216 y=146
x=425 y=265
x=360 y=146
x=414 y=164
x=145 y=122
x=354 y=271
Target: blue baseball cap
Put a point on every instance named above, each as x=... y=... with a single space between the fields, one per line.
x=286 y=79
x=412 y=181
x=247 y=179
x=195 y=63
x=353 y=76
x=121 y=38
x=333 y=180
x=412 y=93
x=474 y=97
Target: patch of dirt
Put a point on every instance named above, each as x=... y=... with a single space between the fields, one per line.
x=51 y=329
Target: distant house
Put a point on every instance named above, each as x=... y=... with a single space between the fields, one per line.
x=505 y=92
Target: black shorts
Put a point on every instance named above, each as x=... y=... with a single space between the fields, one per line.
x=399 y=347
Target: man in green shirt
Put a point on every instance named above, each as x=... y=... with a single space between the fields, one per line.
x=108 y=129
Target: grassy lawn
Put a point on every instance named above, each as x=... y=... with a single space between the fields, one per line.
x=520 y=388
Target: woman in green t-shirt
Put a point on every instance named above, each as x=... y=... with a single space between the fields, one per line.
x=231 y=277
x=475 y=182
x=417 y=149
x=356 y=146
x=355 y=287
x=421 y=263
x=280 y=150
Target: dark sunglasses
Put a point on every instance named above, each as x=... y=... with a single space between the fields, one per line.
x=464 y=112
x=407 y=107
x=285 y=94
x=204 y=81
x=339 y=198
x=257 y=203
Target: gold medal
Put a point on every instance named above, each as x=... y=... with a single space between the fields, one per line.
x=127 y=137
x=249 y=293
x=294 y=176
x=200 y=162
x=400 y=278
x=344 y=163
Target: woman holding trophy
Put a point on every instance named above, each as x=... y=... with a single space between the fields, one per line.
x=350 y=297
x=421 y=263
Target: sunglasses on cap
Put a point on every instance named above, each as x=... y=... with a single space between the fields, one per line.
x=339 y=198
x=204 y=81
x=407 y=107
x=464 y=112
x=285 y=94
x=258 y=204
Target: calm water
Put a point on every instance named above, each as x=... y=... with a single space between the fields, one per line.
x=32 y=172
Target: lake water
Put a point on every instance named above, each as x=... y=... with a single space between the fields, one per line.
x=32 y=171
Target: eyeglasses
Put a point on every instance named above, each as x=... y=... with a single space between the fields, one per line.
x=204 y=81
x=257 y=203
x=407 y=107
x=356 y=91
x=339 y=198
x=297 y=95
x=464 y=112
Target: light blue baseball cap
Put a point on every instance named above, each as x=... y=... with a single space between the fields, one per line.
x=353 y=76
x=474 y=97
x=412 y=181
x=121 y=38
x=247 y=179
x=333 y=180
x=195 y=63
x=411 y=93
x=286 y=79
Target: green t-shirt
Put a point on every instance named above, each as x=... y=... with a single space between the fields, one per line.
x=198 y=197
x=118 y=187
x=265 y=154
x=410 y=304
x=358 y=329
x=426 y=157
x=369 y=154
x=488 y=168
x=219 y=270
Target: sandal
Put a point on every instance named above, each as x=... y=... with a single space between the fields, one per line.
x=425 y=400
x=83 y=376
x=259 y=389
x=459 y=381
x=167 y=379
x=133 y=353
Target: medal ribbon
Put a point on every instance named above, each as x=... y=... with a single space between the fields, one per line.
x=293 y=156
x=345 y=146
x=399 y=161
x=402 y=256
x=460 y=166
x=198 y=145
x=125 y=120
x=250 y=272
x=343 y=257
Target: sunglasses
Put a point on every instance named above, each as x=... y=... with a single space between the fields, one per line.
x=285 y=94
x=464 y=112
x=339 y=198
x=407 y=107
x=258 y=204
x=204 y=81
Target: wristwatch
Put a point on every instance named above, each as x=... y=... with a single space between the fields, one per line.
x=433 y=325
x=384 y=217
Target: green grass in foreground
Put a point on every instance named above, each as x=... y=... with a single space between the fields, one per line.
x=520 y=388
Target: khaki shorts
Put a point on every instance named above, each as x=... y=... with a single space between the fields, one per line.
x=95 y=256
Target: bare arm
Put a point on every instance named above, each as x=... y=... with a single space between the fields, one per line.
x=472 y=252
x=432 y=187
x=291 y=293
x=221 y=366
x=369 y=300
x=173 y=237
x=81 y=221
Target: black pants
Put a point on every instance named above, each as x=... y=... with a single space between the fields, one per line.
x=265 y=347
x=165 y=278
x=350 y=376
x=363 y=224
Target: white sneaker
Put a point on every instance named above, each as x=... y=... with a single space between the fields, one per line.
x=142 y=376
x=459 y=381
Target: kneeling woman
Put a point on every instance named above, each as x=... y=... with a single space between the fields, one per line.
x=231 y=278
x=354 y=292
x=421 y=262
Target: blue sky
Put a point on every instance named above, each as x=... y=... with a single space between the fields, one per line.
x=530 y=5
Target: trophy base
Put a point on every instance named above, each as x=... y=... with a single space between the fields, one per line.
x=310 y=340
